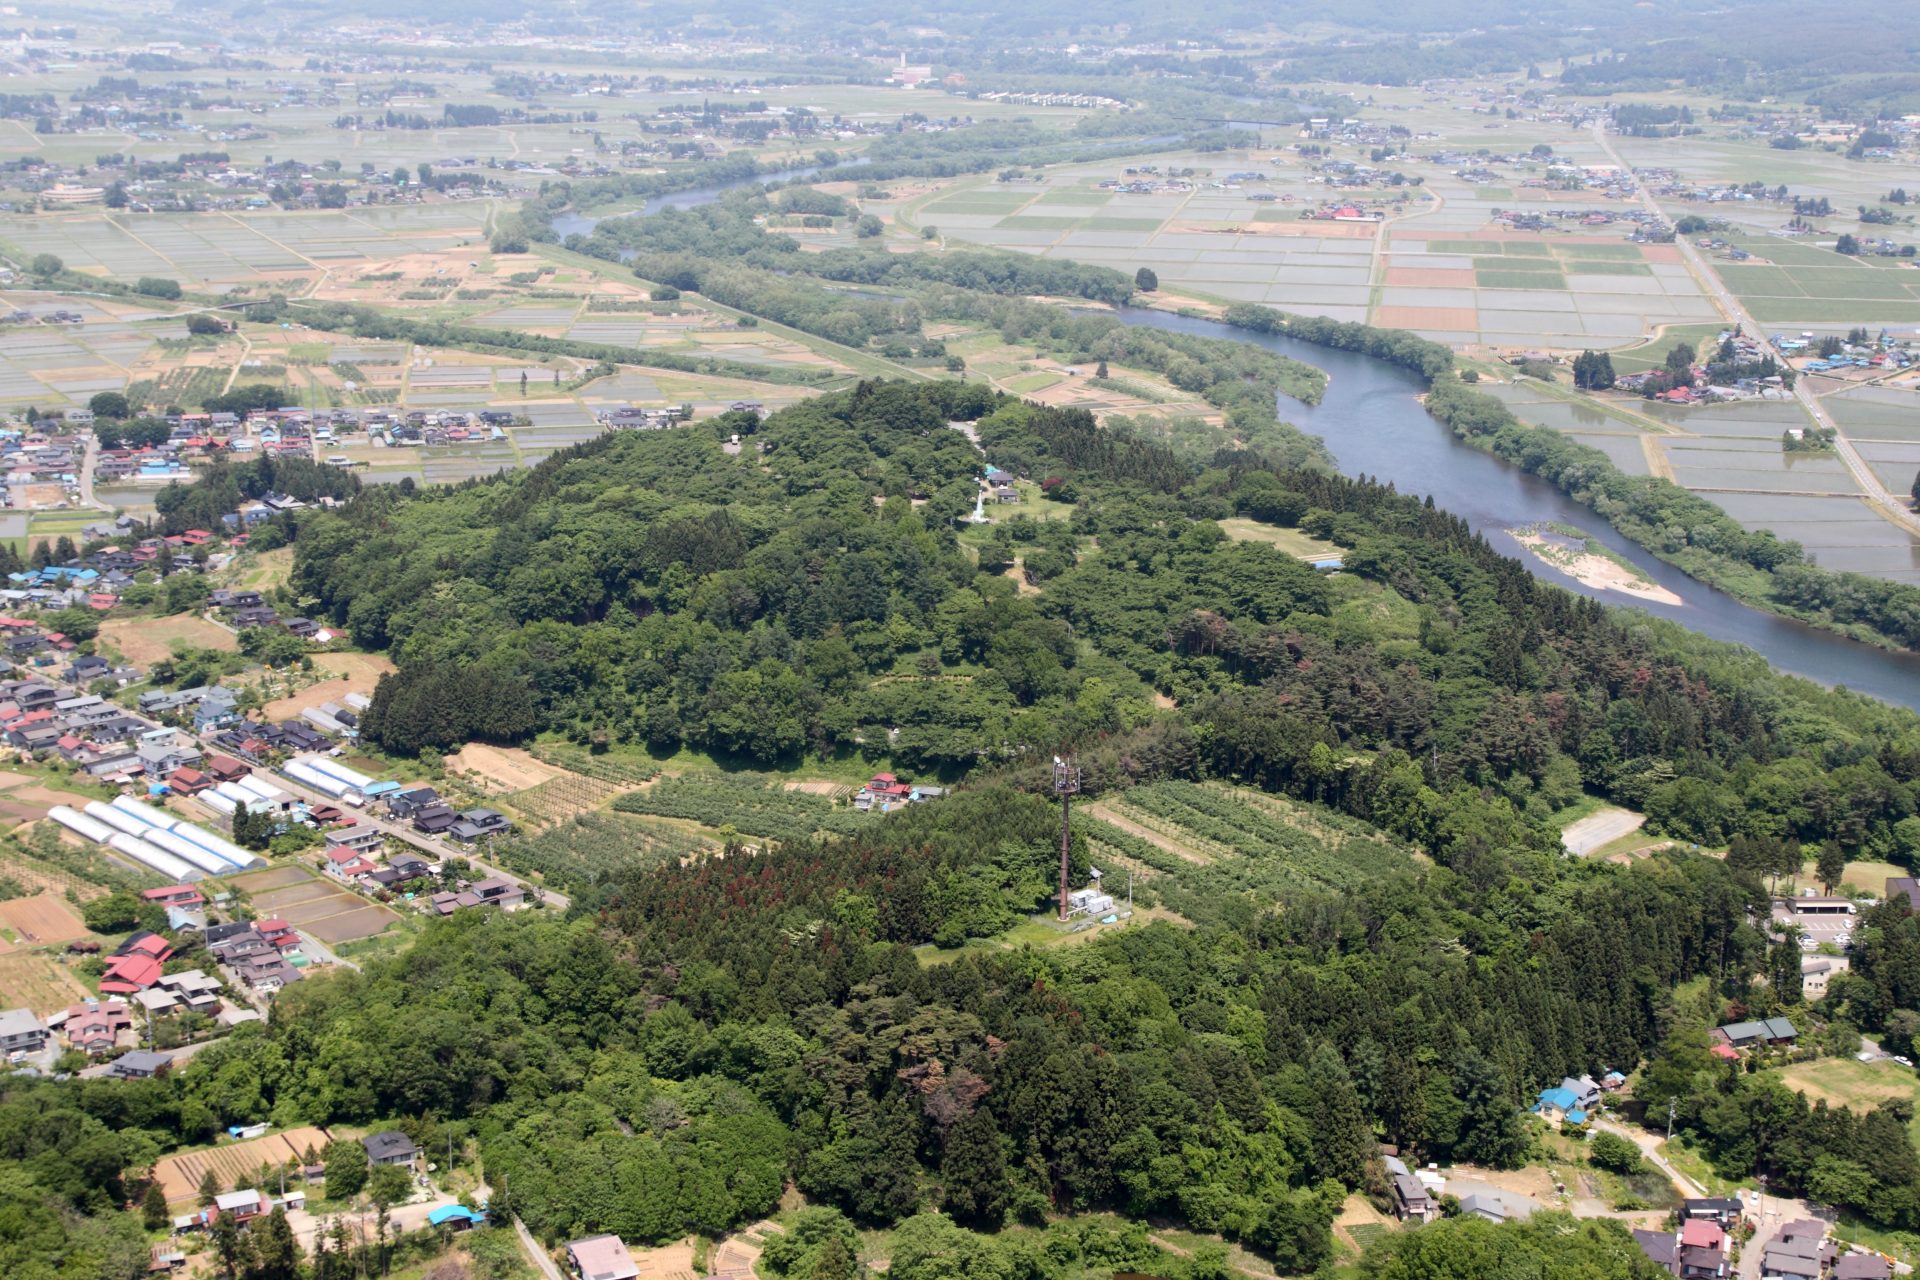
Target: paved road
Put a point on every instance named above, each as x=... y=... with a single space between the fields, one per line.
x=401 y=832
x=392 y=831
x=1893 y=507
x=531 y=1247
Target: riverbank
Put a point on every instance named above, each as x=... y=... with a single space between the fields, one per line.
x=1587 y=562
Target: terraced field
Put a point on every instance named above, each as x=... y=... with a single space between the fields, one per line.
x=1208 y=849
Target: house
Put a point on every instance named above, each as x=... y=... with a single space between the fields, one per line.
x=1862 y=1266
x=358 y=839
x=1560 y=1105
x=1743 y=1035
x=473 y=824
x=390 y=1146
x=1497 y=1208
x=194 y=990
x=175 y=895
x=189 y=782
x=1798 y=1252
x=347 y=863
x=601 y=1258
x=1585 y=1089
x=139 y=1064
x=163 y=751
x=1723 y=1210
x=226 y=769
x=1662 y=1247
x=241 y=1206
x=456 y=1217
x=1411 y=1200
x=498 y=891
x=1703 y=1250
x=405 y=804
x=1907 y=887
x=22 y=1032
x=434 y=819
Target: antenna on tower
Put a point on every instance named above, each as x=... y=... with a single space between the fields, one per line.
x=1066 y=785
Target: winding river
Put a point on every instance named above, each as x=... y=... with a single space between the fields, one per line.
x=1374 y=426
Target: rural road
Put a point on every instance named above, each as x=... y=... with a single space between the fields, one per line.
x=1649 y=1144
x=1890 y=505
x=531 y=1247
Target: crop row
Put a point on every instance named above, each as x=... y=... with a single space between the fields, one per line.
x=750 y=804
x=620 y=770
x=1256 y=831
x=595 y=847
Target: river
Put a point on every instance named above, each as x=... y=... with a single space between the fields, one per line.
x=1374 y=426
x=570 y=224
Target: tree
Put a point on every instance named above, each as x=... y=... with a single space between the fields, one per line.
x=1342 y=1139
x=973 y=1169
x=868 y=227
x=276 y=1254
x=1613 y=1153
x=45 y=265
x=387 y=1185
x=110 y=404
x=153 y=1206
x=1100 y=371
x=1145 y=280
x=346 y=1162
x=209 y=1188
x=1297 y=1233
x=229 y=1246
x=1490 y=1132
x=1830 y=864
x=1847 y=244
x=157 y=287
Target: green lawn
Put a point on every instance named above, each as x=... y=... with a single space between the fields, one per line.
x=1292 y=541
x=1850 y=1083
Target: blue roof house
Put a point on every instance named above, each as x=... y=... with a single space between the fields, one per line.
x=1560 y=1106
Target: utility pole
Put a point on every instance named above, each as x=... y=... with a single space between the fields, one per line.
x=1670 y=1109
x=1066 y=784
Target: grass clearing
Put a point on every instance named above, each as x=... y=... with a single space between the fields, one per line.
x=1303 y=546
x=1847 y=1082
x=145 y=641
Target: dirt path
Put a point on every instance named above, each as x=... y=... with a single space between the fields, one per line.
x=1153 y=838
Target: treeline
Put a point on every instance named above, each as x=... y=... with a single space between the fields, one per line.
x=732 y=230
x=1410 y=351
x=365 y=322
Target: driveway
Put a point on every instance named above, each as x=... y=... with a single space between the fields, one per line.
x=405 y=1217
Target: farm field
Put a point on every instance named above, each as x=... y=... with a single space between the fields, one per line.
x=32 y=980
x=752 y=804
x=1209 y=852
x=1294 y=542
x=330 y=912
x=344 y=673
x=145 y=641
x=180 y=1174
x=43 y=920
x=591 y=848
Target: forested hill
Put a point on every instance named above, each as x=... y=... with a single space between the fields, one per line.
x=813 y=593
